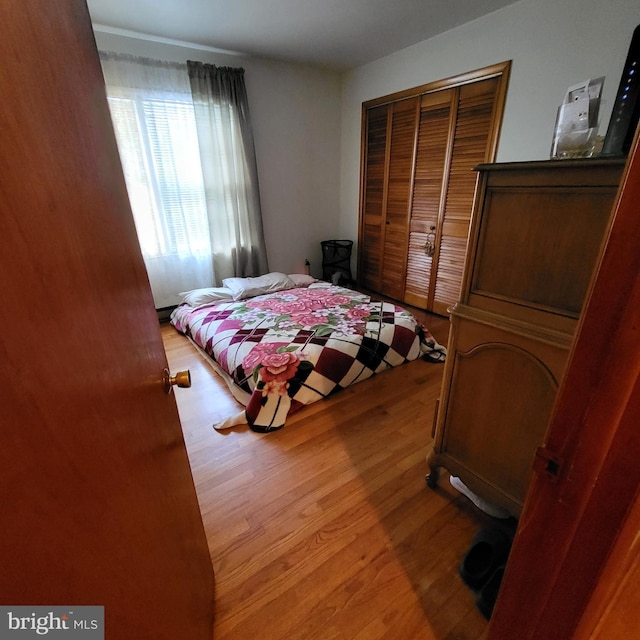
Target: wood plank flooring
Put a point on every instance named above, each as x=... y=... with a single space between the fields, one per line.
x=325 y=529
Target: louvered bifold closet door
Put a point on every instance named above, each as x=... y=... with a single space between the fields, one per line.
x=419 y=151
x=429 y=177
x=374 y=187
x=404 y=119
x=471 y=146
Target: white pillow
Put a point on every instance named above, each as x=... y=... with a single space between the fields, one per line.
x=248 y=287
x=301 y=279
x=201 y=297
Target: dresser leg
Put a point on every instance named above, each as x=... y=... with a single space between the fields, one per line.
x=434 y=473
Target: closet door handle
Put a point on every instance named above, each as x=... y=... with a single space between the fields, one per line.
x=430 y=244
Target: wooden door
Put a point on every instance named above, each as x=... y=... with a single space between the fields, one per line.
x=473 y=142
x=373 y=196
x=387 y=178
x=99 y=506
x=401 y=145
x=457 y=132
x=437 y=118
x=577 y=537
x=419 y=148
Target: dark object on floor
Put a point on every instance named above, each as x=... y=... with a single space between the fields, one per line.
x=489 y=550
x=488 y=595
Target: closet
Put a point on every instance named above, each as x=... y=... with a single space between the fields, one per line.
x=419 y=148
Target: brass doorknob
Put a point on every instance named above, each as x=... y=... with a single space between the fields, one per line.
x=181 y=379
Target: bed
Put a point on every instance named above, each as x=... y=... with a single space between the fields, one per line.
x=284 y=341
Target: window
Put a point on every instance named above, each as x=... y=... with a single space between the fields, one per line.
x=190 y=170
x=159 y=153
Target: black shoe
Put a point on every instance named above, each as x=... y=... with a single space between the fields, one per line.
x=489 y=549
x=488 y=595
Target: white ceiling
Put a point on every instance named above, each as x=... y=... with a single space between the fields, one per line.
x=336 y=34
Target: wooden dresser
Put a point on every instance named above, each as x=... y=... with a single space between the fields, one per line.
x=534 y=241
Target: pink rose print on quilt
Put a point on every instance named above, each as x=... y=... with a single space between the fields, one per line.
x=274 y=367
x=278 y=372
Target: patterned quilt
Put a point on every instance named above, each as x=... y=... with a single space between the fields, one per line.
x=288 y=349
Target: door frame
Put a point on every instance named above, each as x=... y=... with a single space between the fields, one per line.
x=568 y=558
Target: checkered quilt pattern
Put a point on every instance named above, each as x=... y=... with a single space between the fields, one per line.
x=288 y=349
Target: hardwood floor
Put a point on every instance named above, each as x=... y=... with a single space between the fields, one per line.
x=325 y=529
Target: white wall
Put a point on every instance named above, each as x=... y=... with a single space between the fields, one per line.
x=552 y=43
x=295 y=112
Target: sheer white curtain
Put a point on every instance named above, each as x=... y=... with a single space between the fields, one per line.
x=229 y=167
x=152 y=111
